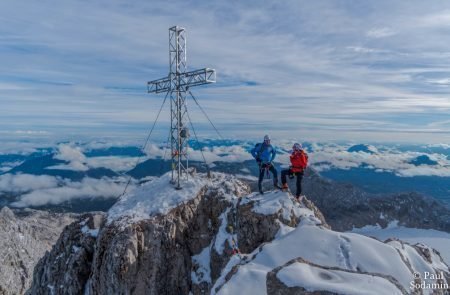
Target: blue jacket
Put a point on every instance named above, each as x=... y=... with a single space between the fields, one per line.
x=266 y=153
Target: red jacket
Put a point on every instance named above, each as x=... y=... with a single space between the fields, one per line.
x=299 y=161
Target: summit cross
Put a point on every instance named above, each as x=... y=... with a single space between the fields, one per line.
x=177 y=85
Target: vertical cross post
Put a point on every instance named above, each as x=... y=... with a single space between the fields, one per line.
x=177 y=85
x=178 y=132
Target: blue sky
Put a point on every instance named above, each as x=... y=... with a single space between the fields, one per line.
x=314 y=70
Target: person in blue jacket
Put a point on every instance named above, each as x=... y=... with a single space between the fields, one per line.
x=264 y=154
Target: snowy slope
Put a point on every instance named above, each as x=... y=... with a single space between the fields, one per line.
x=316 y=278
x=331 y=261
x=155 y=197
x=436 y=239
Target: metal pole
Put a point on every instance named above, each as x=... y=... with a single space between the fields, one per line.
x=178 y=107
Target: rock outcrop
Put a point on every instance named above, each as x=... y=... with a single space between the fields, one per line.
x=345 y=206
x=25 y=236
x=66 y=269
x=205 y=239
x=161 y=254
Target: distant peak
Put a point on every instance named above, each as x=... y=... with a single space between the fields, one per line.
x=365 y=148
x=423 y=160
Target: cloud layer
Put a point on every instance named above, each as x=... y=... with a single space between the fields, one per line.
x=67 y=190
x=50 y=190
x=41 y=190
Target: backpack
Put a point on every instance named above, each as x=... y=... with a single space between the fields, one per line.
x=260 y=151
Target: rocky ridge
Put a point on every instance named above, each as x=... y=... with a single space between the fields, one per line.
x=208 y=240
x=25 y=236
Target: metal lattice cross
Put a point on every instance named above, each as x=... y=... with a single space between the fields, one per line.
x=176 y=85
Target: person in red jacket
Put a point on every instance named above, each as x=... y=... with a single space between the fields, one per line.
x=299 y=162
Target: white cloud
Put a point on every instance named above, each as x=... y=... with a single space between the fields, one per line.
x=115 y=163
x=438 y=19
x=73 y=155
x=68 y=190
x=233 y=153
x=31 y=132
x=440 y=82
x=380 y=33
x=389 y=160
x=19 y=183
x=5 y=166
x=361 y=49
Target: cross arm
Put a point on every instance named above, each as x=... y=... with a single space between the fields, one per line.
x=188 y=79
x=199 y=77
x=158 y=86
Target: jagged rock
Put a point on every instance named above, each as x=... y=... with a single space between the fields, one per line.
x=66 y=269
x=151 y=244
x=255 y=228
x=154 y=255
x=25 y=235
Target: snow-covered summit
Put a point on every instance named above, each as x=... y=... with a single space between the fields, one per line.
x=155 y=197
x=159 y=196
x=215 y=237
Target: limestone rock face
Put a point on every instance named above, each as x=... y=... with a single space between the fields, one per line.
x=66 y=268
x=25 y=236
x=182 y=251
x=216 y=238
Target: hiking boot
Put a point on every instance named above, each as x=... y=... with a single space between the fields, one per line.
x=261 y=192
x=285 y=187
x=299 y=198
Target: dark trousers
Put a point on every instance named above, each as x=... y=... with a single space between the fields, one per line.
x=298 y=183
x=263 y=170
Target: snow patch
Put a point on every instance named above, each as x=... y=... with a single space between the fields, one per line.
x=322 y=247
x=203 y=271
x=222 y=234
x=317 y=279
x=284 y=230
x=75 y=249
x=92 y=232
x=155 y=197
x=433 y=238
x=275 y=202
